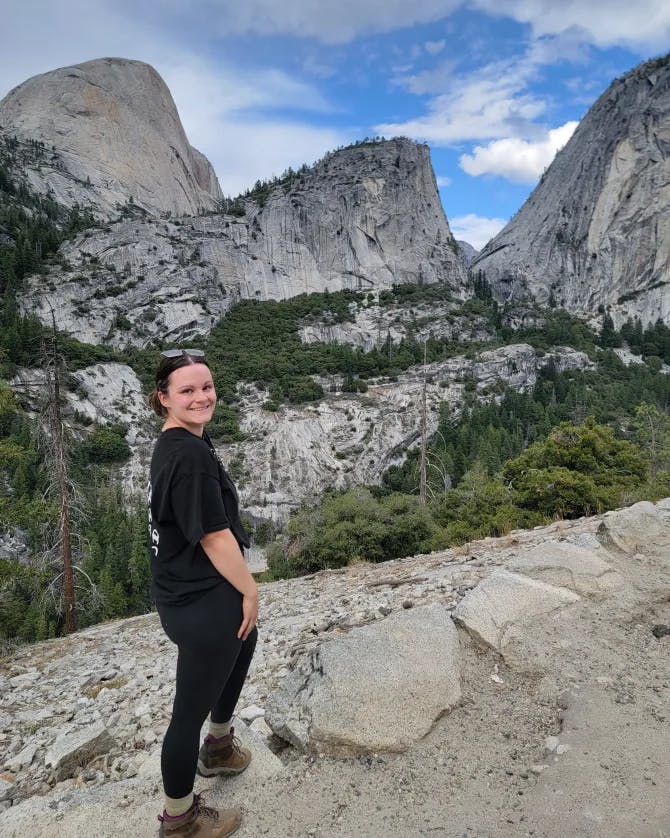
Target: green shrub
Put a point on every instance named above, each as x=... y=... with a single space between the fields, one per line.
x=106 y=445
x=576 y=470
x=355 y=526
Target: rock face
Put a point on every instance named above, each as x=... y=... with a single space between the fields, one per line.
x=114 y=136
x=375 y=324
x=346 y=439
x=13 y=544
x=364 y=218
x=596 y=230
x=106 y=394
x=468 y=252
x=350 y=439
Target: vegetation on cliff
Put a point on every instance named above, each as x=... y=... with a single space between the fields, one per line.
x=517 y=462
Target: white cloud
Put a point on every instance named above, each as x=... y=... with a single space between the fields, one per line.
x=218 y=108
x=600 y=22
x=443 y=181
x=38 y=37
x=492 y=102
x=204 y=92
x=517 y=159
x=434 y=47
x=486 y=104
x=552 y=49
x=313 y=66
x=329 y=21
x=476 y=229
x=434 y=80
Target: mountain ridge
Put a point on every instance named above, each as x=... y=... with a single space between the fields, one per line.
x=364 y=218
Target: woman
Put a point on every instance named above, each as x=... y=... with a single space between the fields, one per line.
x=206 y=598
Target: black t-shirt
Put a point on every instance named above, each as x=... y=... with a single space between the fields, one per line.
x=189 y=495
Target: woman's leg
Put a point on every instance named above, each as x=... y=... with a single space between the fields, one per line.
x=206 y=635
x=222 y=710
x=199 y=682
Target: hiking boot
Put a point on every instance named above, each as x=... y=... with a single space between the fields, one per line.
x=225 y=755
x=201 y=821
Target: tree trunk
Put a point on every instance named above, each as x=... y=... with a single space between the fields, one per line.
x=424 y=435
x=63 y=490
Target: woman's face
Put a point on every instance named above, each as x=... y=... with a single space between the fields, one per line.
x=190 y=399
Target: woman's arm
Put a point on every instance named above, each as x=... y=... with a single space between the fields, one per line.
x=224 y=553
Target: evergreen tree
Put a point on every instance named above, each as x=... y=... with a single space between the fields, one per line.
x=609 y=337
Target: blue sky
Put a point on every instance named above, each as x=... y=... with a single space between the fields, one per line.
x=494 y=86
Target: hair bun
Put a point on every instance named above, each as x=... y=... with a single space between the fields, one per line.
x=155 y=404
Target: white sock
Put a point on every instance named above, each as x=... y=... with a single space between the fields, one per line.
x=219 y=729
x=176 y=806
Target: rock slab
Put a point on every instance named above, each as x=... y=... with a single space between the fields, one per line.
x=76 y=748
x=631 y=530
x=567 y=565
x=499 y=610
x=379 y=688
x=24 y=757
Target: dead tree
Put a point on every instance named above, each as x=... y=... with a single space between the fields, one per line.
x=424 y=434
x=53 y=369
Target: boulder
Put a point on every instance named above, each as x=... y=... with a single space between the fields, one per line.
x=23 y=758
x=500 y=609
x=75 y=748
x=632 y=529
x=6 y=789
x=380 y=687
x=569 y=566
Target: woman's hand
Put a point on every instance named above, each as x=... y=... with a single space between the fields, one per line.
x=249 y=615
x=224 y=553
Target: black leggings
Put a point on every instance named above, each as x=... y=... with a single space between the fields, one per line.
x=212 y=665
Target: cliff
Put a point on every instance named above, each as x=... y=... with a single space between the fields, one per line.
x=595 y=233
x=112 y=135
x=364 y=218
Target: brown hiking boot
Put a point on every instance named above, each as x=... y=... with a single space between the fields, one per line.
x=225 y=755
x=201 y=821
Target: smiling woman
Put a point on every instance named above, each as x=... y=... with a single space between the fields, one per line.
x=206 y=598
x=190 y=398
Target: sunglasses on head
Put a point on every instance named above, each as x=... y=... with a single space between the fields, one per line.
x=175 y=353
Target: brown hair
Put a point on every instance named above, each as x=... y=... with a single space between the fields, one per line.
x=165 y=369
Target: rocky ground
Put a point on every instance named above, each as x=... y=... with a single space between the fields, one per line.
x=562 y=728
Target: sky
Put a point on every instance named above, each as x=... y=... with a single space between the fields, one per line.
x=495 y=87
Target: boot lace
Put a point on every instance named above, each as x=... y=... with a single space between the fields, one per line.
x=228 y=741
x=205 y=811
x=235 y=743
